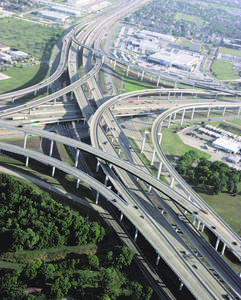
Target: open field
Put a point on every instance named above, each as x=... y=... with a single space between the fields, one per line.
x=37 y=40
x=189 y=18
x=23 y=77
x=230 y=51
x=223 y=70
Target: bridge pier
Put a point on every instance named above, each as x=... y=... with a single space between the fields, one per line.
x=51 y=148
x=198 y=224
x=142 y=75
x=224 y=109
x=76 y=158
x=174 y=116
x=136 y=234
x=71 y=95
x=144 y=140
x=182 y=119
x=157 y=259
x=97 y=198
x=149 y=189
x=106 y=179
x=239 y=110
x=217 y=243
x=13 y=98
x=153 y=157
x=27 y=160
x=97 y=166
x=181 y=95
x=181 y=286
x=168 y=97
x=160 y=138
x=121 y=216
x=223 y=249
x=114 y=65
x=47 y=89
x=103 y=59
x=127 y=70
x=194 y=220
x=53 y=171
x=35 y=93
x=193 y=111
x=203 y=226
x=172 y=182
x=158 y=80
x=209 y=109
x=25 y=140
x=159 y=170
x=77 y=184
x=169 y=121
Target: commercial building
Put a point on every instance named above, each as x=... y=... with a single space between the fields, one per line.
x=53 y=16
x=227 y=145
x=175 y=58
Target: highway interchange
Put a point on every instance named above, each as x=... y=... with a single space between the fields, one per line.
x=123 y=173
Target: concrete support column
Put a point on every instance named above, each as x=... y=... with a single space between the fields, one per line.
x=159 y=170
x=240 y=273
x=169 y=121
x=168 y=97
x=224 y=109
x=103 y=59
x=121 y=216
x=172 y=182
x=97 y=198
x=47 y=89
x=114 y=65
x=127 y=70
x=71 y=95
x=77 y=184
x=136 y=234
x=157 y=259
x=182 y=119
x=97 y=166
x=203 y=227
x=35 y=93
x=217 y=243
x=13 y=98
x=142 y=75
x=149 y=188
x=209 y=109
x=106 y=179
x=239 y=110
x=174 y=116
x=193 y=111
x=51 y=147
x=25 y=140
x=76 y=158
x=53 y=171
x=181 y=95
x=158 y=80
x=223 y=249
x=54 y=102
x=144 y=140
x=194 y=221
x=181 y=286
x=27 y=160
x=160 y=138
x=153 y=157
x=175 y=86
x=198 y=224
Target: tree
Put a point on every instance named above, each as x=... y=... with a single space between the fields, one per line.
x=93 y=261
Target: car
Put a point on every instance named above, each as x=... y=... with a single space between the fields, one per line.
x=180 y=217
x=114 y=200
x=234 y=243
x=213 y=227
x=142 y=217
x=135 y=206
x=195 y=267
x=204 y=211
x=195 y=213
x=105 y=142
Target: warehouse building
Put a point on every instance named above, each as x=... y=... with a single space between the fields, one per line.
x=227 y=145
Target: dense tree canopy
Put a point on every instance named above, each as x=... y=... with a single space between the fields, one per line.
x=217 y=175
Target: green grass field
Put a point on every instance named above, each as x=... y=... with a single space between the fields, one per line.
x=230 y=51
x=35 y=39
x=189 y=18
x=223 y=70
x=23 y=77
